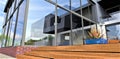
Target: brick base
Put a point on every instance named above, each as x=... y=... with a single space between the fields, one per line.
x=14 y=51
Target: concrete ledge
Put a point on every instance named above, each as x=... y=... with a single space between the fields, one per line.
x=18 y=50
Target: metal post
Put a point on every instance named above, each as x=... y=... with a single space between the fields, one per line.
x=7 y=28
x=71 y=38
x=82 y=21
x=89 y=11
x=56 y=12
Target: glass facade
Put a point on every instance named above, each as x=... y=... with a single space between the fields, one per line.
x=74 y=20
x=14 y=23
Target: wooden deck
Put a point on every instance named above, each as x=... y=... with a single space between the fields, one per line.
x=102 y=51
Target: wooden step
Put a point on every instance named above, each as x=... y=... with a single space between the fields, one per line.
x=98 y=51
x=70 y=55
x=57 y=56
x=29 y=57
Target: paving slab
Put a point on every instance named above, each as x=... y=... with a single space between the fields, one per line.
x=3 y=56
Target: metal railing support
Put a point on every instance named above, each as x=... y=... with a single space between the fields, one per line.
x=56 y=13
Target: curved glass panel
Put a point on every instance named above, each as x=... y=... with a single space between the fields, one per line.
x=39 y=11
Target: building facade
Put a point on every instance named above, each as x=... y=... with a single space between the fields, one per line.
x=14 y=26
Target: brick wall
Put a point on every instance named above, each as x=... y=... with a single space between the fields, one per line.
x=13 y=51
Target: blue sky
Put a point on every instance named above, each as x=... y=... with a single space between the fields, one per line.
x=2 y=15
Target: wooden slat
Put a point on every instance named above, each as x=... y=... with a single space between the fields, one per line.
x=97 y=47
x=56 y=55
x=29 y=57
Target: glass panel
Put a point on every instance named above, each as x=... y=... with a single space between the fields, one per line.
x=113 y=31
x=18 y=1
x=12 y=27
x=64 y=3
x=19 y=30
x=11 y=9
x=9 y=13
x=6 y=33
x=78 y=36
x=9 y=43
x=76 y=3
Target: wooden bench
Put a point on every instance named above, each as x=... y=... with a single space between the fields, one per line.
x=113 y=41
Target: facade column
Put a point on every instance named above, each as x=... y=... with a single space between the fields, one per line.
x=25 y=23
x=82 y=21
x=7 y=28
x=71 y=32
